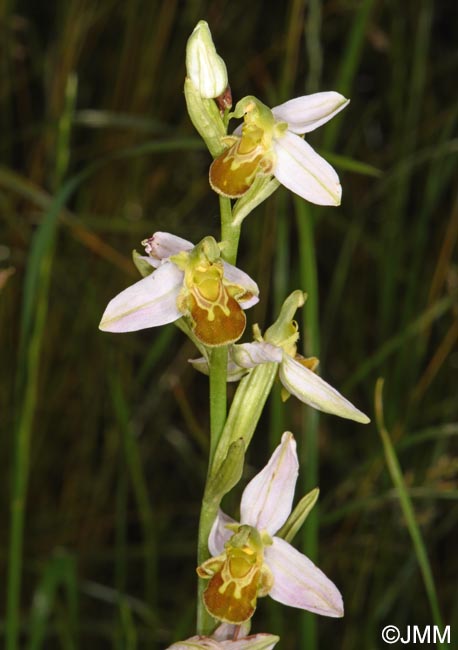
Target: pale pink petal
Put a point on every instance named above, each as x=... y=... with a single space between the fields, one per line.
x=226 y=631
x=304 y=114
x=197 y=643
x=304 y=172
x=147 y=303
x=268 y=498
x=249 y=355
x=163 y=244
x=200 y=364
x=235 y=276
x=219 y=534
x=314 y=391
x=299 y=583
x=234 y=371
x=252 y=642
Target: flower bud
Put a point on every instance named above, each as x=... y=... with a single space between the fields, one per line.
x=205 y=68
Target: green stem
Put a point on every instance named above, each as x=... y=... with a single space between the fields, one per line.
x=309 y=447
x=218 y=398
x=230 y=235
x=205 y=623
x=230 y=232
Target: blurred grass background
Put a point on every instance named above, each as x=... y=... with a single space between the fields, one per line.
x=104 y=437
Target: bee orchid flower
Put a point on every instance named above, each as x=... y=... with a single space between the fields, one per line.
x=269 y=142
x=185 y=281
x=296 y=373
x=298 y=377
x=248 y=561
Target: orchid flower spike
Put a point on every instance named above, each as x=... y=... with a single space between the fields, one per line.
x=269 y=142
x=185 y=281
x=225 y=637
x=248 y=561
x=296 y=373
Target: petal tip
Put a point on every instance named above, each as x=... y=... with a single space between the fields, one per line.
x=288 y=437
x=338 y=611
x=104 y=325
x=338 y=195
x=350 y=412
x=338 y=605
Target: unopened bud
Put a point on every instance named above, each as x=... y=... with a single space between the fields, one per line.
x=204 y=66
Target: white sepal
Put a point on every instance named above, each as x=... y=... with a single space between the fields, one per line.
x=252 y=642
x=267 y=500
x=234 y=371
x=249 y=355
x=299 y=583
x=151 y=301
x=314 y=391
x=197 y=643
x=304 y=172
x=305 y=114
x=147 y=259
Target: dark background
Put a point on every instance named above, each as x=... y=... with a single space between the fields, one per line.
x=108 y=435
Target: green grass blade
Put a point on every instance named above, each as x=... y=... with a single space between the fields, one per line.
x=140 y=489
x=60 y=571
x=33 y=325
x=405 y=502
x=353 y=52
x=413 y=329
x=280 y=285
x=345 y=163
x=309 y=449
